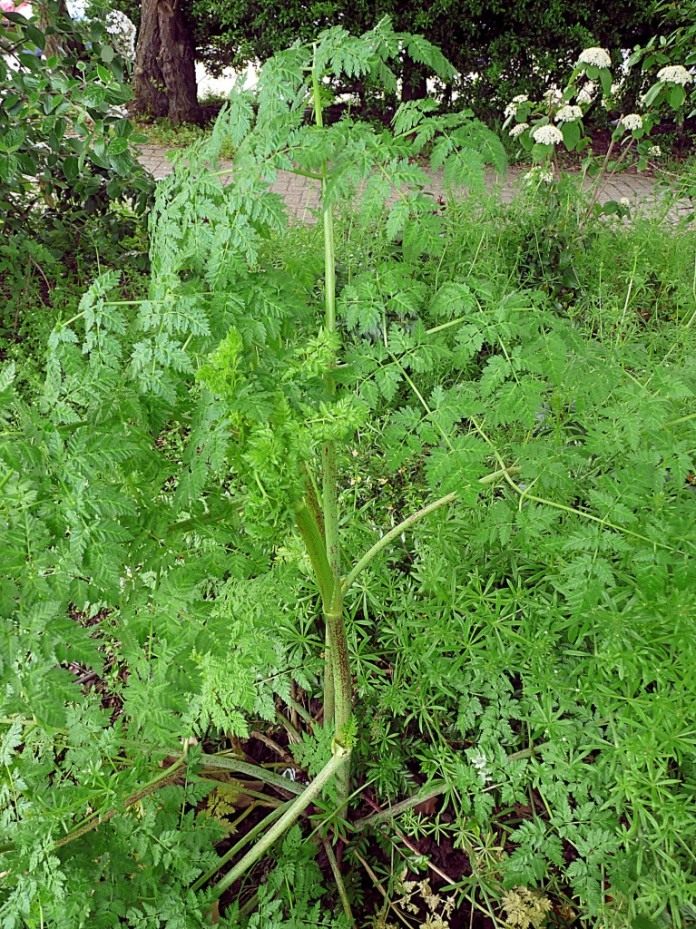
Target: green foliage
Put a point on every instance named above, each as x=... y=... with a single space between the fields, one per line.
x=291 y=898
x=673 y=44
x=498 y=49
x=163 y=132
x=65 y=149
x=528 y=646
x=547 y=649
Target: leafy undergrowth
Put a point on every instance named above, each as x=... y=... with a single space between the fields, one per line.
x=43 y=279
x=163 y=132
x=522 y=655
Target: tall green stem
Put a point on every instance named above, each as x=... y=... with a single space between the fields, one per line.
x=337 y=680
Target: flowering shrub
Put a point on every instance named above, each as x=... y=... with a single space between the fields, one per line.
x=559 y=118
x=670 y=87
x=498 y=48
x=674 y=53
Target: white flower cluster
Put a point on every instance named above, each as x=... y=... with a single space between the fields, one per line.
x=517 y=130
x=632 y=122
x=587 y=93
x=553 y=96
x=596 y=57
x=511 y=108
x=654 y=151
x=674 y=74
x=547 y=135
x=609 y=101
x=568 y=113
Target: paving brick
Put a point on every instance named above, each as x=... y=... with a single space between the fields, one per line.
x=302 y=194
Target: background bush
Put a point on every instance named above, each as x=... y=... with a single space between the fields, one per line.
x=65 y=146
x=511 y=48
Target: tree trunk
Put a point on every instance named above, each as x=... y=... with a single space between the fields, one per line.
x=164 y=77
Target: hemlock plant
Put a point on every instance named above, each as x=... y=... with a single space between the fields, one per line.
x=185 y=528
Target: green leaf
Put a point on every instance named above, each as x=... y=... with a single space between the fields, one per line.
x=604 y=75
x=571 y=134
x=71 y=168
x=677 y=96
x=652 y=94
x=8 y=372
x=35 y=35
x=12 y=140
x=453 y=299
x=118 y=146
x=643 y=922
x=424 y=52
x=103 y=73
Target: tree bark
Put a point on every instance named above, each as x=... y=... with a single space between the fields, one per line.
x=164 y=77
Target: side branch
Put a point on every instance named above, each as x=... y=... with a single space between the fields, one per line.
x=394 y=533
x=411 y=520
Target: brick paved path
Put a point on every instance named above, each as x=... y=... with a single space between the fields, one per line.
x=301 y=194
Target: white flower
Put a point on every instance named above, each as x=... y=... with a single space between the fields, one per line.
x=632 y=122
x=654 y=151
x=597 y=57
x=517 y=130
x=614 y=90
x=587 y=93
x=547 y=135
x=538 y=175
x=624 y=201
x=511 y=108
x=567 y=114
x=674 y=74
x=480 y=762
x=553 y=96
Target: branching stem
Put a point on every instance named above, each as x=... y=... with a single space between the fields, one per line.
x=230 y=763
x=290 y=816
x=239 y=845
x=96 y=819
x=394 y=533
x=599 y=520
